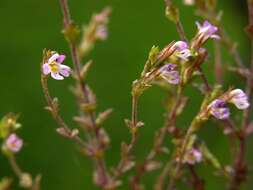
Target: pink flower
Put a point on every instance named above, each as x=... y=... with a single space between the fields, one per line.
x=14 y=143
x=53 y=65
x=239 y=99
x=207 y=30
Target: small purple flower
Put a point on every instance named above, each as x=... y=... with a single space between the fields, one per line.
x=182 y=50
x=207 y=30
x=170 y=74
x=239 y=99
x=218 y=109
x=14 y=143
x=53 y=65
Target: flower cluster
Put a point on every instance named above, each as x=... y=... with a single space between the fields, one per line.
x=11 y=142
x=183 y=51
x=218 y=107
x=55 y=67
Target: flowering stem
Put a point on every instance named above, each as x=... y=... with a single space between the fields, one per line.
x=178 y=23
x=240 y=166
x=76 y=61
x=196 y=123
x=14 y=165
x=17 y=170
x=55 y=113
x=134 y=127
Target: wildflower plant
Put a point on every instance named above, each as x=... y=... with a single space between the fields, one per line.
x=175 y=67
x=11 y=145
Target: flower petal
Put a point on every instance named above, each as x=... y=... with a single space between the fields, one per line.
x=46 y=69
x=56 y=76
x=180 y=45
x=171 y=77
x=60 y=59
x=14 y=143
x=64 y=70
x=239 y=99
x=53 y=57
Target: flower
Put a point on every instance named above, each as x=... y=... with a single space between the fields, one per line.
x=14 y=143
x=191 y=156
x=239 y=99
x=169 y=74
x=207 y=30
x=53 y=65
x=182 y=50
x=180 y=45
x=218 y=109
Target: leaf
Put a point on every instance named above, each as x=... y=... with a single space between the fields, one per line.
x=153 y=54
x=103 y=116
x=208 y=156
x=86 y=68
x=83 y=122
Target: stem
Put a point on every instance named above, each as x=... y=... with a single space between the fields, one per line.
x=180 y=30
x=56 y=115
x=240 y=166
x=179 y=25
x=76 y=61
x=134 y=128
x=218 y=66
x=197 y=182
x=194 y=125
x=15 y=167
x=160 y=180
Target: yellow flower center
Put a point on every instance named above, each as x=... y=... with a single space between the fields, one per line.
x=54 y=67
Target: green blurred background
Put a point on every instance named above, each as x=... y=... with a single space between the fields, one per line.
x=28 y=26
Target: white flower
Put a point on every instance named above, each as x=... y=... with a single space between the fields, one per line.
x=53 y=65
x=239 y=99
